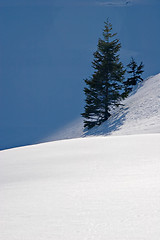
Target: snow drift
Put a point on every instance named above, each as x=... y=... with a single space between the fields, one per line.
x=90 y=188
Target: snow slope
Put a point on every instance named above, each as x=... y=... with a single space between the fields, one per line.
x=71 y=130
x=94 y=188
x=139 y=114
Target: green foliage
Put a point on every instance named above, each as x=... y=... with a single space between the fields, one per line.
x=136 y=72
x=104 y=88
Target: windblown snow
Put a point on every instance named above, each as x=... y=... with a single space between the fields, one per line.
x=92 y=188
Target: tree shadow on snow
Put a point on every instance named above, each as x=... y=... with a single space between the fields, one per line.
x=113 y=124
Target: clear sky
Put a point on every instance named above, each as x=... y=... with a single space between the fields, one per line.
x=46 y=49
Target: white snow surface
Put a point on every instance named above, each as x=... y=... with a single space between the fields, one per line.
x=81 y=189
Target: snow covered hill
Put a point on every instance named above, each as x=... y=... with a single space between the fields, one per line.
x=139 y=114
x=91 y=188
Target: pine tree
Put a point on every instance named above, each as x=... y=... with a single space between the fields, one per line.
x=136 y=72
x=103 y=91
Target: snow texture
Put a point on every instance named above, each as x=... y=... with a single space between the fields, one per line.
x=83 y=189
x=72 y=130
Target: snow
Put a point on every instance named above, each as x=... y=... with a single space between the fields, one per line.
x=69 y=131
x=88 y=188
x=139 y=114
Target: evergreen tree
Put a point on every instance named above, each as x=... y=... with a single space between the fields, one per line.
x=136 y=72
x=104 y=88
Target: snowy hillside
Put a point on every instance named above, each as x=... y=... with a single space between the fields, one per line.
x=139 y=114
x=95 y=188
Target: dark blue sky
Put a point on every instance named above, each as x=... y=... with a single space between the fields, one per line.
x=46 y=49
